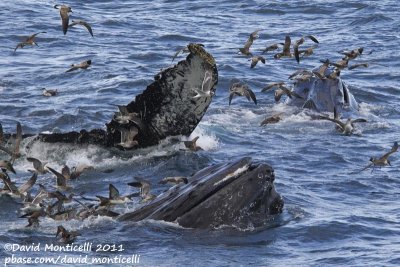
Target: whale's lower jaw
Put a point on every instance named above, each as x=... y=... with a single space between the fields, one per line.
x=232 y=194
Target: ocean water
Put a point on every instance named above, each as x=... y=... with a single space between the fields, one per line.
x=333 y=215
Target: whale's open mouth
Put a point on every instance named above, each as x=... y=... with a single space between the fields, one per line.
x=222 y=194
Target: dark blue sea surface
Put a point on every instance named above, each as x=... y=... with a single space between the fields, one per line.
x=333 y=215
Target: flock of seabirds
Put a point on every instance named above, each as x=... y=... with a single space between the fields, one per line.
x=50 y=202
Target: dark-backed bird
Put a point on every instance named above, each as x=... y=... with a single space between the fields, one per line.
x=255 y=59
x=124 y=116
x=144 y=187
x=33 y=217
x=365 y=65
x=300 y=42
x=347 y=127
x=29 y=41
x=183 y=50
x=320 y=72
x=281 y=90
x=352 y=54
x=286 y=49
x=83 y=23
x=15 y=151
x=83 y=65
x=5 y=165
x=64 y=10
x=271 y=119
x=241 y=89
x=191 y=144
x=384 y=160
x=65 y=235
x=39 y=166
x=61 y=181
x=271 y=47
x=340 y=64
x=245 y=50
x=14 y=191
x=307 y=52
x=114 y=197
x=49 y=92
x=127 y=137
x=76 y=171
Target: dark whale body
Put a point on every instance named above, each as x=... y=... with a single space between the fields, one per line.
x=239 y=193
x=167 y=107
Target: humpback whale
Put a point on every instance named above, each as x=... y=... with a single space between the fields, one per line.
x=239 y=193
x=169 y=106
x=324 y=94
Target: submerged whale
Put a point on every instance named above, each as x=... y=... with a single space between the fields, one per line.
x=323 y=95
x=239 y=193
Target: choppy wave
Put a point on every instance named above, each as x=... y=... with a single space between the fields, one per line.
x=334 y=213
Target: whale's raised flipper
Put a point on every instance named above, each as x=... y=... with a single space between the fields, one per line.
x=166 y=108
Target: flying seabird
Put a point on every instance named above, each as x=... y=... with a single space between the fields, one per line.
x=286 y=49
x=29 y=41
x=144 y=189
x=206 y=86
x=40 y=167
x=6 y=165
x=33 y=217
x=64 y=10
x=320 y=73
x=191 y=145
x=382 y=161
x=347 y=127
x=271 y=47
x=114 y=198
x=255 y=59
x=364 y=64
x=15 y=152
x=352 y=54
x=241 y=89
x=281 y=90
x=340 y=64
x=182 y=50
x=75 y=172
x=65 y=235
x=300 y=42
x=18 y=192
x=83 y=23
x=61 y=181
x=245 y=50
x=127 y=137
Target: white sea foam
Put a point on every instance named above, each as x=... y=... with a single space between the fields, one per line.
x=207 y=140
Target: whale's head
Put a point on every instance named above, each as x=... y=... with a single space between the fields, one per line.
x=239 y=193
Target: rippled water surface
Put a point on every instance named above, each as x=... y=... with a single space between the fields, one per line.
x=333 y=215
